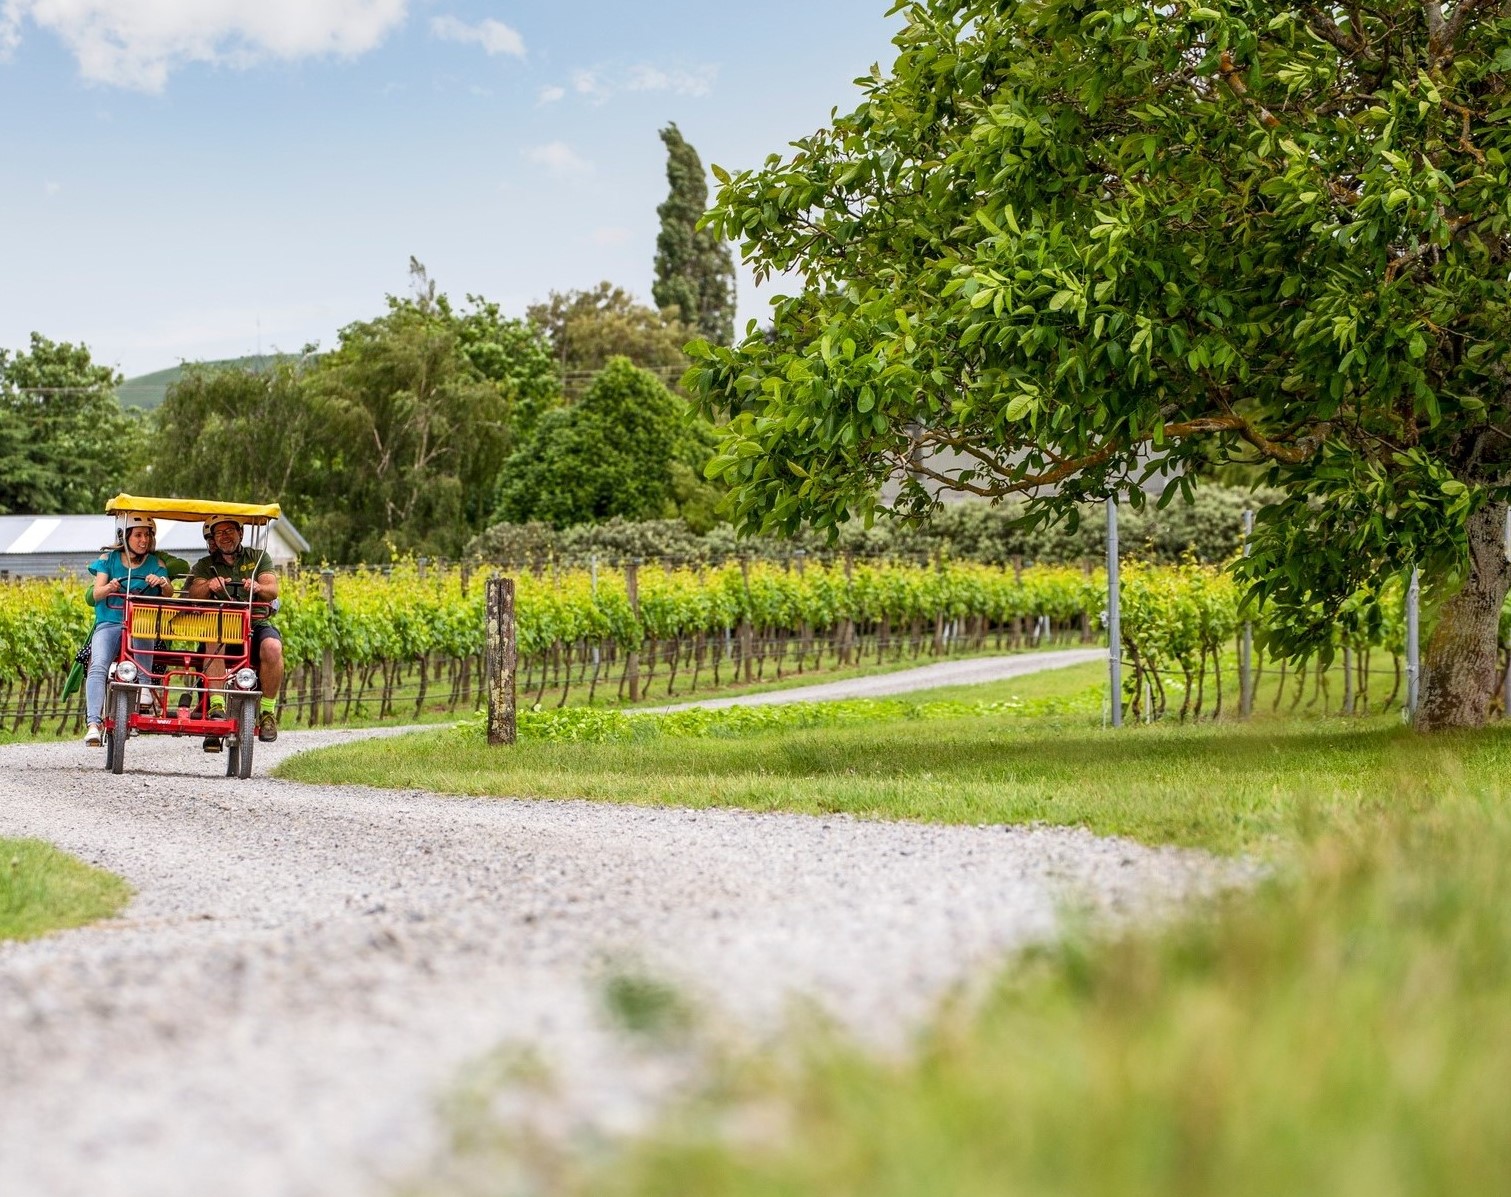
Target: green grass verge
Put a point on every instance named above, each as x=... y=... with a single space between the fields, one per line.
x=1221 y=786
x=1344 y=1030
x=43 y=889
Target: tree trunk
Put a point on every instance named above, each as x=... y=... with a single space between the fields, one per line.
x=1459 y=672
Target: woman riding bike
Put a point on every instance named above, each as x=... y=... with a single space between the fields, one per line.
x=132 y=567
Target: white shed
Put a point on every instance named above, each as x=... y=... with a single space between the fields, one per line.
x=46 y=545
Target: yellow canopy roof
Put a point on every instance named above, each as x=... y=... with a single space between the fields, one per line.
x=191 y=510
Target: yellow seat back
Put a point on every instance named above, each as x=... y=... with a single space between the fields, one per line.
x=188 y=627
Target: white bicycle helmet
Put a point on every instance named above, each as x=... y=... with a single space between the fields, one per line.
x=212 y=521
x=134 y=520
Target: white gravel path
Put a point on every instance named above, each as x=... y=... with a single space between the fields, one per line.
x=972 y=671
x=306 y=969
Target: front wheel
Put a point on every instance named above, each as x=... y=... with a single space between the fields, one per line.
x=246 y=735
x=120 y=713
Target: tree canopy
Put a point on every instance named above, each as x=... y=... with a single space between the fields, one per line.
x=1065 y=243
x=65 y=443
x=586 y=329
x=393 y=440
x=695 y=271
x=626 y=448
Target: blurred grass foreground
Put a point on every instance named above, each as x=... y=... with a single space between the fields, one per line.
x=1343 y=1030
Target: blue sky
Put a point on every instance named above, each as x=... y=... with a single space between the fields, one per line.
x=188 y=179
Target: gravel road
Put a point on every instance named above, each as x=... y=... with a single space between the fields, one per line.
x=307 y=970
x=970 y=672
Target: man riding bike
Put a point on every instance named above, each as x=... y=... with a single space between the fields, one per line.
x=231 y=573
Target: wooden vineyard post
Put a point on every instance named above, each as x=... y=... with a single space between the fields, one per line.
x=632 y=660
x=328 y=657
x=502 y=660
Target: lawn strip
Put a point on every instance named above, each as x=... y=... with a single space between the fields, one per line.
x=43 y=889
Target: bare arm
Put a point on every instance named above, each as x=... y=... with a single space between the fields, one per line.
x=265 y=588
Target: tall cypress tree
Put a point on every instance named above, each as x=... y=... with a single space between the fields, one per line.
x=694 y=269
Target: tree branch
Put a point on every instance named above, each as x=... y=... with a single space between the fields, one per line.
x=1273 y=450
x=1234 y=80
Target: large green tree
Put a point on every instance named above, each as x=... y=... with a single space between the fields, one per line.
x=65 y=444
x=587 y=329
x=1066 y=242
x=695 y=271
x=629 y=447
x=391 y=441
x=246 y=435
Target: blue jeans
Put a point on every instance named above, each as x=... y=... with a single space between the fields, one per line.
x=104 y=648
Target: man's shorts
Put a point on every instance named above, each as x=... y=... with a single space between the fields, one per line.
x=266 y=632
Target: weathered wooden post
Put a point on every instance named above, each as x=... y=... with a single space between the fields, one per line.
x=328 y=657
x=502 y=660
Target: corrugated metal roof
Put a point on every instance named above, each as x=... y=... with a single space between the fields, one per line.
x=70 y=535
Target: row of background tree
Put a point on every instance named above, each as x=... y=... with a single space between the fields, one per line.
x=1208 y=529
x=421 y=426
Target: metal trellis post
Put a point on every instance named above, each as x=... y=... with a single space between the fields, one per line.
x=1114 y=618
x=1413 y=644
x=1246 y=658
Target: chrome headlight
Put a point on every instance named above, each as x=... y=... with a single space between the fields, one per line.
x=125 y=671
x=246 y=679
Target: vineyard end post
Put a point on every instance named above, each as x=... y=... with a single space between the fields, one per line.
x=1114 y=616
x=503 y=660
x=328 y=657
x=1246 y=655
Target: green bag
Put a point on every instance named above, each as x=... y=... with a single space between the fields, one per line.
x=75 y=677
x=74 y=680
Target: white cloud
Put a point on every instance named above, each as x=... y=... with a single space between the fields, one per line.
x=610 y=236
x=550 y=95
x=138 y=43
x=493 y=36
x=600 y=85
x=683 y=83
x=587 y=83
x=51 y=188
x=559 y=158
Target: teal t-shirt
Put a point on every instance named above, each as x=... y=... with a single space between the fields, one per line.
x=111 y=609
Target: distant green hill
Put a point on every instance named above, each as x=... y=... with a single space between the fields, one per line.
x=147 y=390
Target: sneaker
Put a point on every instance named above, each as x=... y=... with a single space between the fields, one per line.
x=217 y=711
x=145 y=699
x=267 y=727
x=212 y=744
x=93 y=737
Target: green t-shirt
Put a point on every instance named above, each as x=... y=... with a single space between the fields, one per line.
x=243 y=569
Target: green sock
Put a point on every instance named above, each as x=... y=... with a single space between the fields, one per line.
x=269 y=704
